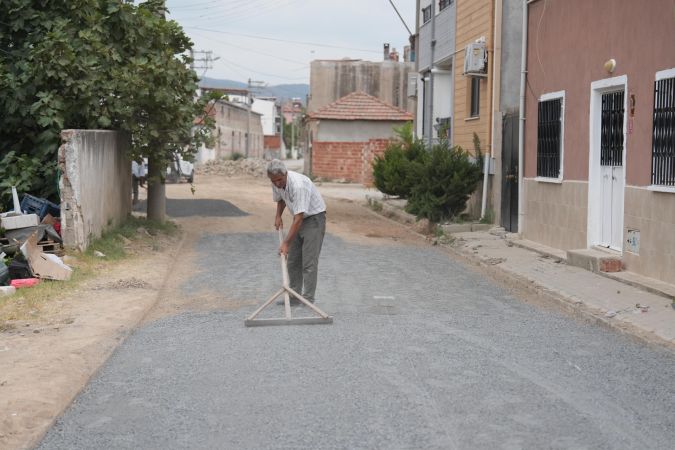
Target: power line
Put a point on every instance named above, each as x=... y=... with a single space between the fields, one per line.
x=401 y=17
x=261 y=73
x=195 y=5
x=243 y=12
x=313 y=44
x=219 y=11
x=251 y=50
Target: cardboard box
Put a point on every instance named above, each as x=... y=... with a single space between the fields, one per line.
x=44 y=265
x=22 y=221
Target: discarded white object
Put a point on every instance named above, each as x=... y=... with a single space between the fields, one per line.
x=44 y=265
x=15 y=198
x=21 y=221
x=7 y=290
x=610 y=314
x=99 y=254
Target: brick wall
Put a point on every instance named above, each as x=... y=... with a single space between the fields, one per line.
x=350 y=161
x=272 y=142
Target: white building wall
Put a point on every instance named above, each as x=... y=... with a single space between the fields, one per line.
x=268 y=110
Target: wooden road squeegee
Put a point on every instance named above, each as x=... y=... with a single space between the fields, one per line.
x=288 y=319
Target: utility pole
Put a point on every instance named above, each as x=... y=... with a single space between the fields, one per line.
x=282 y=152
x=430 y=127
x=248 y=117
x=292 y=130
x=205 y=62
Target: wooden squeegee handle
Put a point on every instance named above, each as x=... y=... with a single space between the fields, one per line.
x=284 y=267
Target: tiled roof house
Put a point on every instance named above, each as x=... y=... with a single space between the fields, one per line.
x=346 y=135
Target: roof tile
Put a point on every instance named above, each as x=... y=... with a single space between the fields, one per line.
x=360 y=106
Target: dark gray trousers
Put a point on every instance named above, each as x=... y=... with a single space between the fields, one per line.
x=303 y=255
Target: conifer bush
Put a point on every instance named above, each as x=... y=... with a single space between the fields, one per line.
x=448 y=179
x=398 y=170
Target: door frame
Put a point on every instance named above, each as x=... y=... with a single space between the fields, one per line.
x=599 y=87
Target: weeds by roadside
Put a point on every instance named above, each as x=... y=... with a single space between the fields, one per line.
x=375 y=205
x=136 y=236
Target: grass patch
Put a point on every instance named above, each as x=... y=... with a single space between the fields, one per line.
x=112 y=243
x=134 y=236
x=489 y=216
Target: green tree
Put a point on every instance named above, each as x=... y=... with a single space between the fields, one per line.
x=92 y=64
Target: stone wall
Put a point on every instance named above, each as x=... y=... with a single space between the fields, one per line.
x=95 y=184
x=652 y=214
x=556 y=213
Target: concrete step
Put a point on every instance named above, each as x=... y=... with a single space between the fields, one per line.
x=595 y=259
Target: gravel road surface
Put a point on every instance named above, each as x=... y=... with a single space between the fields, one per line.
x=423 y=354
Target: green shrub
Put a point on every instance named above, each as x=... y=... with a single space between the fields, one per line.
x=448 y=179
x=397 y=171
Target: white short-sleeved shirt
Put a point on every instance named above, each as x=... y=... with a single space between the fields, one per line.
x=300 y=195
x=138 y=170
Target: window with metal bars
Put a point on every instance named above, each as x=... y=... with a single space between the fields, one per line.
x=549 y=138
x=611 y=129
x=426 y=14
x=663 y=136
x=442 y=4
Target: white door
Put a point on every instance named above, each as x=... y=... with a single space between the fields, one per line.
x=611 y=234
x=611 y=169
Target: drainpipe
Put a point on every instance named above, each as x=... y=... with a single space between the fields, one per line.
x=521 y=121
x=430 y=126
x=496 y=80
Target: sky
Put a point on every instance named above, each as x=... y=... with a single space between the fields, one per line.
x=295 y=32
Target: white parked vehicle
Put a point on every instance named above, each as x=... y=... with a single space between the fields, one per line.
x=179 y=168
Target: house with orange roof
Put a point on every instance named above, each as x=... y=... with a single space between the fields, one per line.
x=346 y=135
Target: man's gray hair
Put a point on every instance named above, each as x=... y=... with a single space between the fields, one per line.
x=276 y=167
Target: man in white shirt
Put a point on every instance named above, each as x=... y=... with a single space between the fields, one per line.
x=137 y=178
x=303 y=242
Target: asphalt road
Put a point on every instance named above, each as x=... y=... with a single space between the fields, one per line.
x=423 y=354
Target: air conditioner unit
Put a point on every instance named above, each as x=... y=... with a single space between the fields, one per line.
x=475 y=59
x=412 y=85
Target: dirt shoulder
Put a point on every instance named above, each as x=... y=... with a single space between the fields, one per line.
x=48 y=353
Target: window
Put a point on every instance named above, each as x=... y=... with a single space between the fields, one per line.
x=426 y=14
x=550 y=136
x=475 y=97
x=442 y=4
x=611 y=129
x=663 y=136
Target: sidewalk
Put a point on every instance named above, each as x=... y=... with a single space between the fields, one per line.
x=623 y=301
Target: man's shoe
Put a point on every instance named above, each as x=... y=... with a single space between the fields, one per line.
x=293 y=301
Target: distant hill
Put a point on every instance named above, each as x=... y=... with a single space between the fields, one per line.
x=281 y=91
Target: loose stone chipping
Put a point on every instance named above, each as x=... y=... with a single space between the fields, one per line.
x=249 y=166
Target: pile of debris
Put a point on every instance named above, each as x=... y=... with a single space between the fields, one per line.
x=30 y=244
x=248 y=166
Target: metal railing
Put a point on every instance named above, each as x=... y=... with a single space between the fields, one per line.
x=611 y=129
x=548 y=138
x=663 y=137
